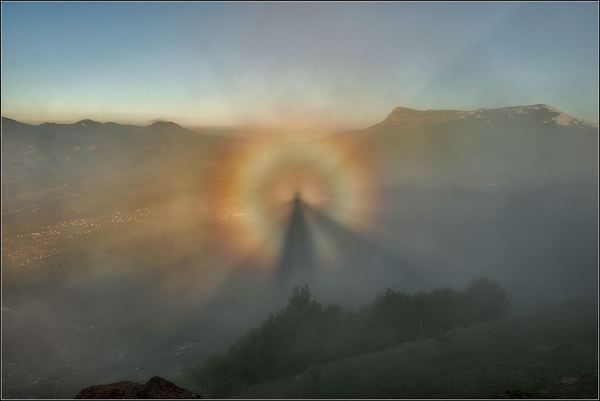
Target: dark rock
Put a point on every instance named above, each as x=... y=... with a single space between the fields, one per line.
x=157 y=387
x=122 y=389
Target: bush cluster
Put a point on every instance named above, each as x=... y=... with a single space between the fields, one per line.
x=306 y=332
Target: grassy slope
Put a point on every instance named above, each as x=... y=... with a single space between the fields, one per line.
x=550 y=352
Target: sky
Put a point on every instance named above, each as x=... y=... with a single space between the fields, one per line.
x=298 y=65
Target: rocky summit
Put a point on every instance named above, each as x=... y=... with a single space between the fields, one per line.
x=156 y=387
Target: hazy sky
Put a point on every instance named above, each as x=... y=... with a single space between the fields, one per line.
x=304 y=65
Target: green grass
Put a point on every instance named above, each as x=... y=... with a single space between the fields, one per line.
x=546 y=353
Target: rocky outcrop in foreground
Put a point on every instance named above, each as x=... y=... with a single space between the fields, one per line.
x=157 y=387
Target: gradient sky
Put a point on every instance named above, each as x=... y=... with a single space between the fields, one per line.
x=326 y=65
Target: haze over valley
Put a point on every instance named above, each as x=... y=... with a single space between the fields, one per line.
x=111 y=227
x=323 y=192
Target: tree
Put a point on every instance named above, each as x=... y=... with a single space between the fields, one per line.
x=306 y=333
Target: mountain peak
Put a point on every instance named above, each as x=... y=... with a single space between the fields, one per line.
x=404 y=110
x=88 y=123
x=408 y=116
x=6 y=119
x=538 y=113
x=163 y=124
x=400 y=114
x=12 y=124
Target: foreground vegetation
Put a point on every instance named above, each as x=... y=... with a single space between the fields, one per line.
x=551 y=352
x=306 y=333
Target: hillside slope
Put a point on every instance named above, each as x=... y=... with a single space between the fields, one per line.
x=55 y=157
x=520 y=145
x=547 y=353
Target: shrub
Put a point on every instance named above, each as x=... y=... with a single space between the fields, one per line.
x=305 y=332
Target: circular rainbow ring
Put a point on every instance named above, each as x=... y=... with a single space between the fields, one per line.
x=264 y=175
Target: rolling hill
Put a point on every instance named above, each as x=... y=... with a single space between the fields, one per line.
x=551 y=352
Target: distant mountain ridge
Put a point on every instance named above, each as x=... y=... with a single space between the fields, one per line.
x=53 y=156
x=540 y=113
x=400 y=115
x=525 y=145
x=534 y=143
x=93 y=123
